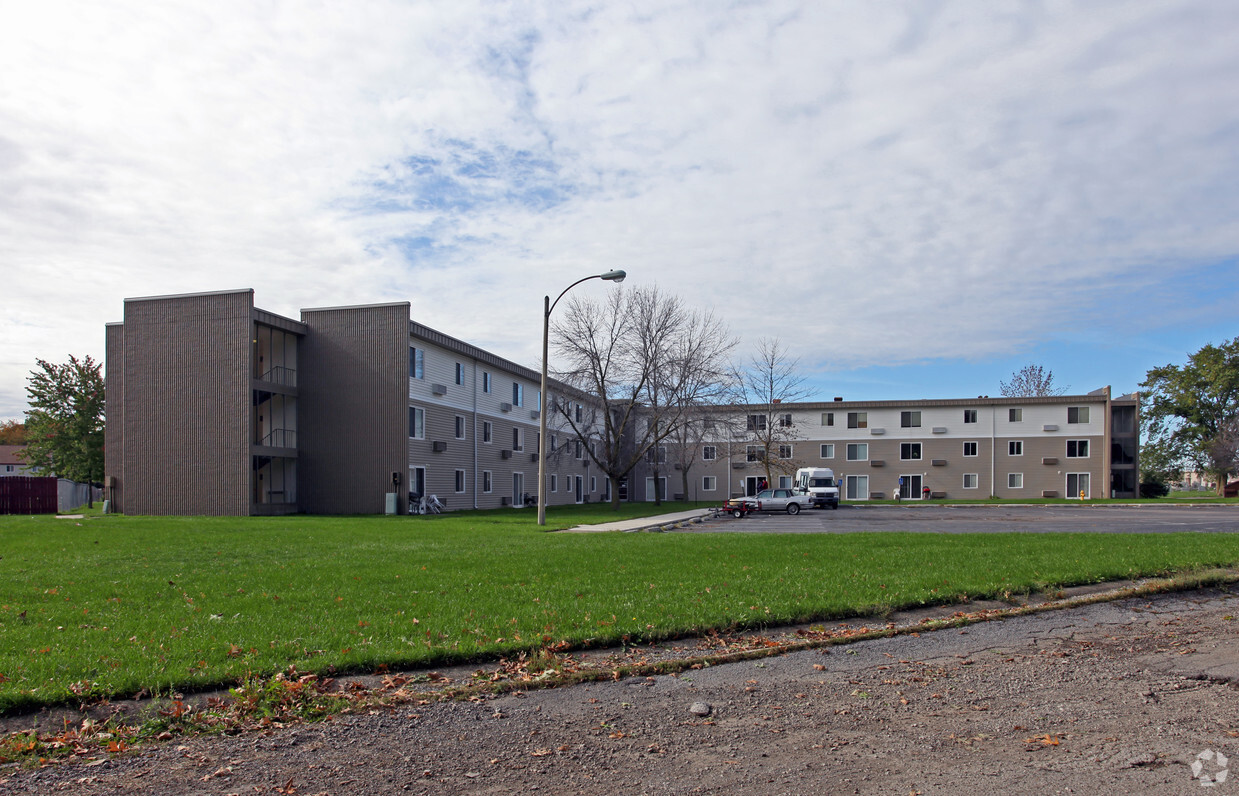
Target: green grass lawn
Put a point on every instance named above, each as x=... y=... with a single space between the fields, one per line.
x=111 y=606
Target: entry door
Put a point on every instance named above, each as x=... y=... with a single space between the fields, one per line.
x=649 y=488
x=911 y=487
x=417 y=481
x=750 y=485
x=518 y=489
x=858 y=487
x=623 y=490
x=580 y=489
x=1078 y=483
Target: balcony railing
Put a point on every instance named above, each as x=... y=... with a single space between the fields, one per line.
x=280 y=438
x=281 y=375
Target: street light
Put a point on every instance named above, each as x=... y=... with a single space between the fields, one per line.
x=610 y=276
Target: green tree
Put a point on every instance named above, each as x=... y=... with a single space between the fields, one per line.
x=1191 y=411
x=64 y=425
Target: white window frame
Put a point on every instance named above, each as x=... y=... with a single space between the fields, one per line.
x=518 y=439
x=1015 y=480
x=828 y=418
x=460 y=427
x=1081 y=413
x=1015 y=447
x=1077 y=443
x=970 y=415
x=486 y=381
x=460 y=482
x=976 y=481
x=910 y=418
x=857 y=447
x=554 y=482
x=828 y=450
x=417 y=363
x=752 y=453
x=858 y=420
x=593 y=484
x=910 y=447
x=418 y=430
x=488 y=482
x=786 y=451
x=1015 y=414
x=518 y=394
x=460 y=373
x=709 y=483
x=488 y=432
x=709 y=453
x=976 y=448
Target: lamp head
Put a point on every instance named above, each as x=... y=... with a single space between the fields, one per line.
x=614 y=276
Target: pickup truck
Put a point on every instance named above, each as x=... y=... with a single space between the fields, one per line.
x=769 y=500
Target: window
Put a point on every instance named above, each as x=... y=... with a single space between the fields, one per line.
x=487 y=430
x=828 y=418
x=417 y=363
x=518 y=394
x=785 y=451
x=460 y=481
x=757 y=423
x=580 y=450
x=662 y=454
x=858 y=420
x=593 y=483
x=910 y=420
x=828 y=450
x=1015 y=480
x=1077 y=449
x=910 y=451
x=1077 y=414
x=578 y=413
x=858 y=451
x=485 y=381
x=554 y=482
x=487 y=483
x=460 y=427
x=785 y=421
x=518 y=439
x=970 y=416
x=970 y=449
x=970 y=480
x=709 y=483
x=417 y=423
x=709 y=453
x=1015 y=415
x=752 y=453
x=785 y=482
x=1015 y=447
x=460 y=373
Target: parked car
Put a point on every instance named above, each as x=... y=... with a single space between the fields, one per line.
x=770 y=500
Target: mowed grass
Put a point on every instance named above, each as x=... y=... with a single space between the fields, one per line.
x=115 y=606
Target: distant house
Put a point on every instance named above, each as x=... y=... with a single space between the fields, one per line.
x=10 y=464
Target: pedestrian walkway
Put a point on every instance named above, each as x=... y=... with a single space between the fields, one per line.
x=661 y=522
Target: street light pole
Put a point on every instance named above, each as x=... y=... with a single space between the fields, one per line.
x=548 y=305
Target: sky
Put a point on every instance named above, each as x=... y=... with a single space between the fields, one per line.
x=917 y=198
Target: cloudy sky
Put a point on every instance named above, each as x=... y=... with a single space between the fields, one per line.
x=916 y=197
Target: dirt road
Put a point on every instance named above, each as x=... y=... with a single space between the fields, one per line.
x=1135 y=696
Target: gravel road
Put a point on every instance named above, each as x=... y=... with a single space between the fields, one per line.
x=1133 y=696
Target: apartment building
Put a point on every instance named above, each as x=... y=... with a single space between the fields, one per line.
x=1059 y=446
x=217 y=407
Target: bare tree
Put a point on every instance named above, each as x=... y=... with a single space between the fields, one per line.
x=1029 y=381
x=647 y=360
x=771 y=379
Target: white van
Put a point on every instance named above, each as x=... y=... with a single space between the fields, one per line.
x=819 y=482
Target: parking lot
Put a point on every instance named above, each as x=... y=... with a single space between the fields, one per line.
x=922 y=518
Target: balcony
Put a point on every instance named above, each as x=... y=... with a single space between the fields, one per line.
x=279 y=438
x=280 y=375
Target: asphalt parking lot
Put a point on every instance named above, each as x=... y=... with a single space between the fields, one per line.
x=1057 y=518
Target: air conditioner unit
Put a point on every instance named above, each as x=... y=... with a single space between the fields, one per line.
x=1049 y=460
x=1049 y=427
x=938 y=462
x=877 y=463
x=505 y=407
x=505 y=454
x=877 y=431
x=939 y=429
x=505 y=501
x=533 y=414
x=439 y=447
x=438 y=389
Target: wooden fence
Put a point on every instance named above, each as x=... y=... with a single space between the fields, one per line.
x=21 y=494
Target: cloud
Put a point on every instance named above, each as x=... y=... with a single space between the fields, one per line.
x=895 y=182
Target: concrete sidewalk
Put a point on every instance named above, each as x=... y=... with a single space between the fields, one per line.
x=661 y=522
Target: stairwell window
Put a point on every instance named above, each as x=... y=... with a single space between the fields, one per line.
x=485 y=381
x=518 y=394
x=417 y=423
x=460 y=373
x=417 y=363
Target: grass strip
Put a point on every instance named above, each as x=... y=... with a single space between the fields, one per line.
x=119 y=606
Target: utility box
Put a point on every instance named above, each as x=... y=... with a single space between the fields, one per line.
x=393 y=503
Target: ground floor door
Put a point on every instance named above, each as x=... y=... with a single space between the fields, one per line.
x=580 y=489
x=649 y=488
x=518 y=489
x=910 y=487
x=857 y=487
x=623 y=489
x=1078 y=486
x=752 y=484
